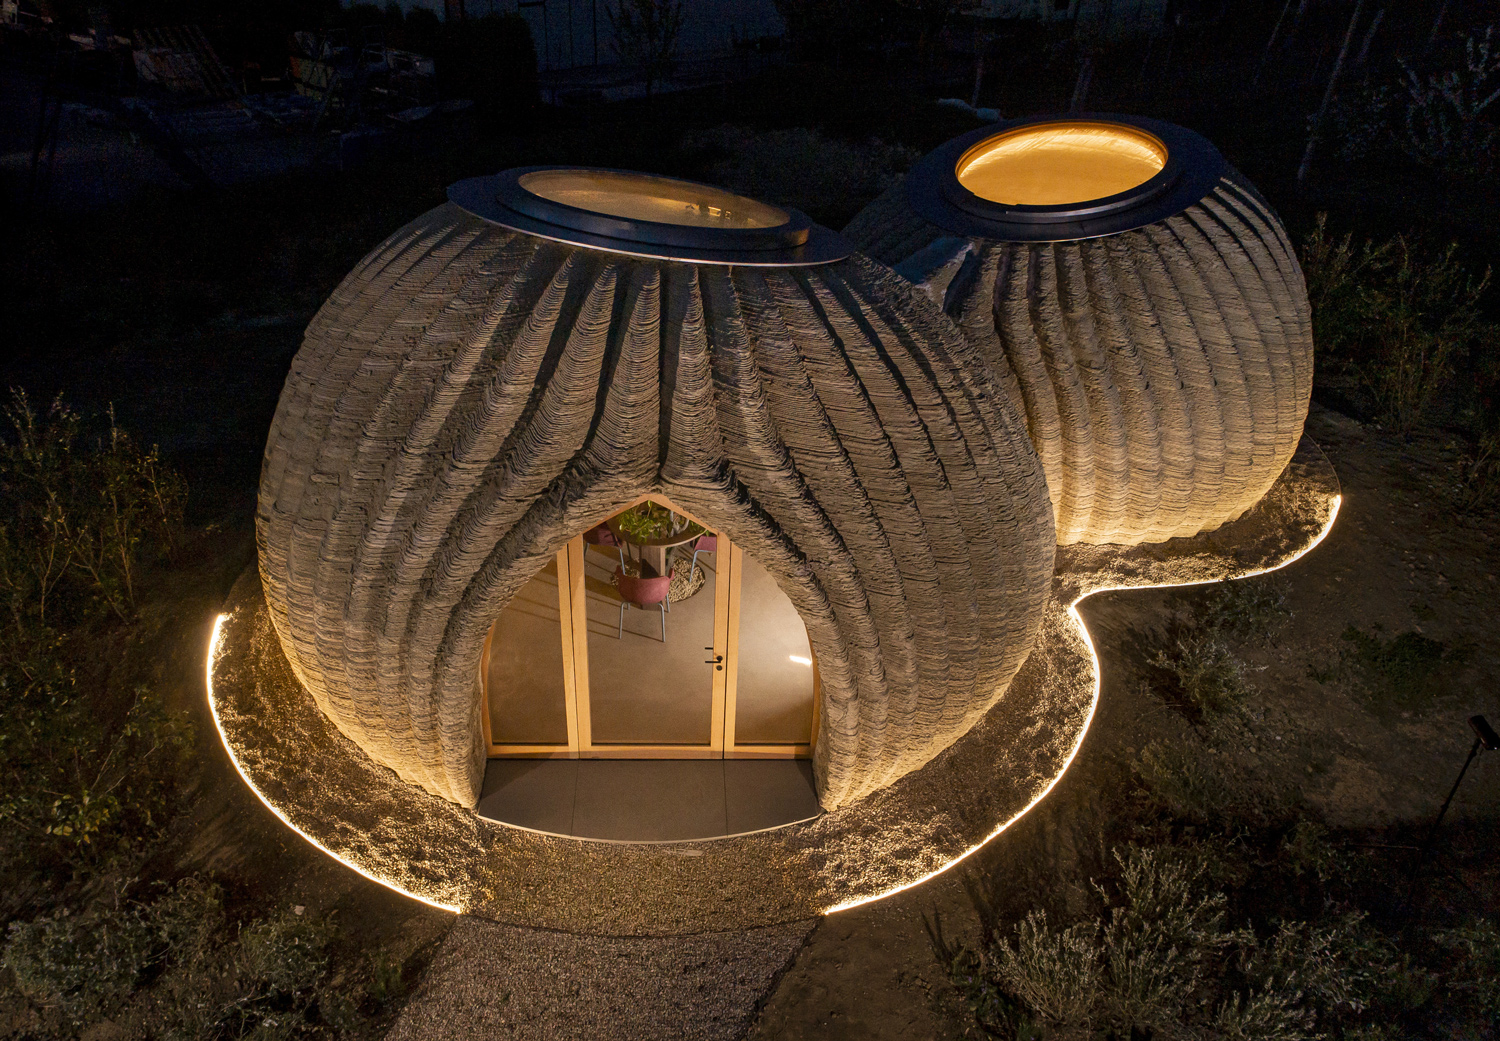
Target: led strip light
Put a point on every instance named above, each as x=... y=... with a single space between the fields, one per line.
x=1082 y=631
x=213 y=708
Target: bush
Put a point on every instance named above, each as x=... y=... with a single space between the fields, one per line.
x=1477 y=966
x=89 y=964
x=1394 y=317
x=179 y=963
x=1164 y=931
x=1208 y=674
x=1055 y=974
x=1248 y=609
x=78 y=515
x=1159 y=959
x=1403 y=666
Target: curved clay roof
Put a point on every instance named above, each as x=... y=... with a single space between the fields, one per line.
x=472 y=397
x=1164 y=371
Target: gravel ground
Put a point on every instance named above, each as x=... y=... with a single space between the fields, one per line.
x=492 y=980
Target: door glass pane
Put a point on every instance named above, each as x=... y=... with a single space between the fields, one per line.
x=647 y=686
x=524 y=680
x=774 y=682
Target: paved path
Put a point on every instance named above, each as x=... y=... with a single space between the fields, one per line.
x=500 y=981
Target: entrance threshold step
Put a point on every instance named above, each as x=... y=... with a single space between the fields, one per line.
x=648 y=800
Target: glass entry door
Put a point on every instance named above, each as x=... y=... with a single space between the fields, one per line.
x=666 y=641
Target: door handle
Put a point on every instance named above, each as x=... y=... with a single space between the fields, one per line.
x=717 y=661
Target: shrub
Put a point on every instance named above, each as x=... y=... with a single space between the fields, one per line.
x=1403 y=666
x=1477 y=968
x=1208 y=674
x=285 y=955
x=78 y=515
x=90 y=963
x=1394 y=316
x=1248 y=609
x=1056 y=974
x=87 y=964
x=1163 y=932
x=1270 y=1013
x=1444 y=125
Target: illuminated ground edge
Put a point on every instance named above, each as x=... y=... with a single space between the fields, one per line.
x=894 y=840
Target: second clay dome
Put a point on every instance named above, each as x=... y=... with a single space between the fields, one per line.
x=1138 y=300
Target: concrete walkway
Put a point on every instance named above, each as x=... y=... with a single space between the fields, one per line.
x=500 y=981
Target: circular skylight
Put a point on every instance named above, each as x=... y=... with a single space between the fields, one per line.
x=1058 y=163
x=662 y=200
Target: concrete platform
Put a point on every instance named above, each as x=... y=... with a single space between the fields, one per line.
x=648 y=800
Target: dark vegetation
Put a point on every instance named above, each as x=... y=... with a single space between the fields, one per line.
x=1218 y=904
x=1223 y=907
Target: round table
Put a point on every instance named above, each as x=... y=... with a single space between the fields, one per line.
x=653 y=551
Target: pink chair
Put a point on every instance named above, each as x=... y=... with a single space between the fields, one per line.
x=601 y=536
x=705 y=543
x=643 y=592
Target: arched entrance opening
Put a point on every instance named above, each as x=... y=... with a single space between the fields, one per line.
x=649 y=640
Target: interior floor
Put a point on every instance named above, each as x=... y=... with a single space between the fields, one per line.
x=648 y=800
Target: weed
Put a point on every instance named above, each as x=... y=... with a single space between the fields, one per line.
x=1394 y=316
x=1477 y=967
x=1248 y=609
x=1479 y=473
x=1208 y=674
x=991 y=1007
x=1402 y=666
x=1055 y=973
x=387 y=985
x=1306 y=850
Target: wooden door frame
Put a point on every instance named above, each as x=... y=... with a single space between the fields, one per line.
x=573 y=622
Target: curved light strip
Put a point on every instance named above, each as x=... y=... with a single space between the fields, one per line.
x=1083 y=632
x=213 y=709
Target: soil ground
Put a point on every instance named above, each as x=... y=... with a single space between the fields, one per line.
x=1399 y=556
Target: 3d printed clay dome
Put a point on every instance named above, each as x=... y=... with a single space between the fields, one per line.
x=1135 y=297
x=519 y=363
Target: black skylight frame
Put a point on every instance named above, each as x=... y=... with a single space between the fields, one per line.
x=1193 y=167
x=502 y=200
